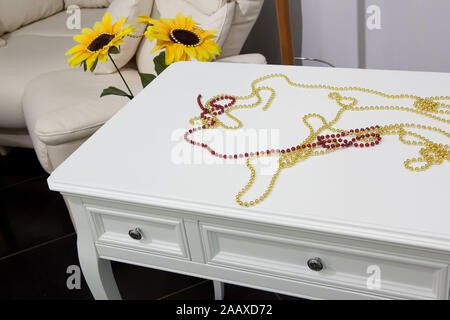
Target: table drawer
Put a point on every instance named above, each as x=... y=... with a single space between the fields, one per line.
x=154 y=233
x=354 y=268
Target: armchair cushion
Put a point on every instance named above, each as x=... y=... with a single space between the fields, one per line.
x=64 y=107
x=208 y=6
x=246 y=13
x=253 y=58
x=21 y=60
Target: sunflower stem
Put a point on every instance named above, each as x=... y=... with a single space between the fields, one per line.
x=123 y=79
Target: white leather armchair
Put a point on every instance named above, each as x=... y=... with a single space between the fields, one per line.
x=46 y=106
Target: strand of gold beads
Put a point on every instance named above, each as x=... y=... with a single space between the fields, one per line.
x=136 y=36
x=430 y=107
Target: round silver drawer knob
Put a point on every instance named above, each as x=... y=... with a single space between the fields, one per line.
x=315 y=264
x=135 y=233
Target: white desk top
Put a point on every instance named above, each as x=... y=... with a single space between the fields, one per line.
x=365 y=193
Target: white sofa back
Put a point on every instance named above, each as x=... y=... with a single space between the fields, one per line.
x=87 y=3
x=17 y=13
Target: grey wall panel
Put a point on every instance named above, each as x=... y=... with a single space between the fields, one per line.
x=413 y=33
x=413 y=36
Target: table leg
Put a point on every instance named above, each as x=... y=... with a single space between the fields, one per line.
x=97 y=272
x=219 y=290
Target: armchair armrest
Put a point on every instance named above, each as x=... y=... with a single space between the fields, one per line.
x=252 y=58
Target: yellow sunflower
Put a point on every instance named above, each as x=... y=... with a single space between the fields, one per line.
x=182 y=38
x=95 y=43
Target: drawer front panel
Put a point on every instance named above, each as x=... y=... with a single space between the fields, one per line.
x=344 y=267
x=160 y=234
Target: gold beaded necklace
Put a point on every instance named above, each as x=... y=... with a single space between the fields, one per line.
x=430 y=107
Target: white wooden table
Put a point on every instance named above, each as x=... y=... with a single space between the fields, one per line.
x=359 y=211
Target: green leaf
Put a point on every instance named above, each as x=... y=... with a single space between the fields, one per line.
x=114 y=91
x=160 y=62
x=146 y=78
x=94 y=65
x=84 y=65
x=114 y=50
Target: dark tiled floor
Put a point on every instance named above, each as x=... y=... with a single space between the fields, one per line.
x=38 y=244
x=32 y=215
x=18 y=166
x=205 y=290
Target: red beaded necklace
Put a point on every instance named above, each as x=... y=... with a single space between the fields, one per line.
x=327 y=142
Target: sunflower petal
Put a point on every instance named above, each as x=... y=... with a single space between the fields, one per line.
x=79 y=58
x=206 y=34
x=151 y=35
x=86 y=31
x=75 y=49
x=180 y=21
x=116 y=27
x=202 y=54
x=185 y=57
x=107 y=19
x=97 y=26
x=91 y=60
x=179 y=51
x=189 y=23
x=81 y=38
x=170 y=54
x=102 y=57
x=116 y=43
x=169 y=22
x=107 y=23
x=72 y=58
x=160 y=45
x=191 y=52
x=212 y=47
x=144 y=19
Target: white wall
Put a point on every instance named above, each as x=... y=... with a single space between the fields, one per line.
x=413 y=34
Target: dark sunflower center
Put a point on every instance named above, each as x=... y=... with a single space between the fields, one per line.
x=99 y=42
x=184 y=37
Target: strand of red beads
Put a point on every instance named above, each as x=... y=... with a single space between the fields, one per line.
x=216 y=109
x=338 y=140
x=362 y=138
